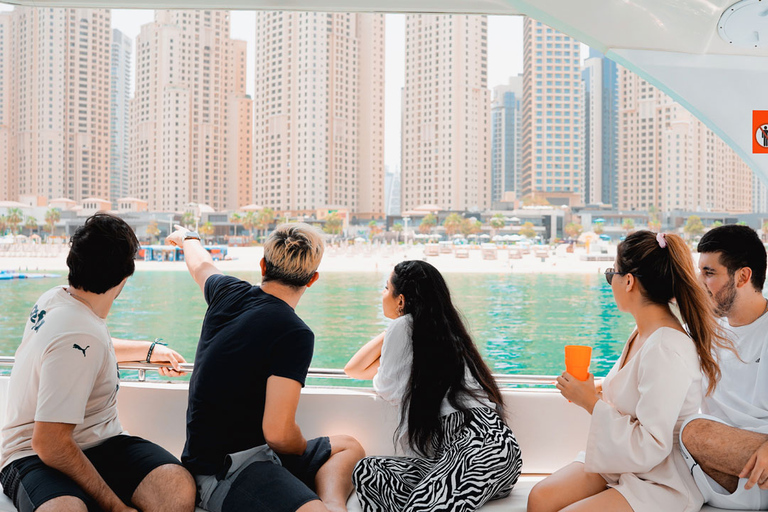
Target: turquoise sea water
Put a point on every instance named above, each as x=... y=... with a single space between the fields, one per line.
x=520 y=322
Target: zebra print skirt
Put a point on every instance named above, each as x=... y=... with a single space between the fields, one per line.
x=475 y=463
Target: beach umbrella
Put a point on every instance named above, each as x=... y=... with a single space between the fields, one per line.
x=600 y=220
x=588 y=236
x=485 y=236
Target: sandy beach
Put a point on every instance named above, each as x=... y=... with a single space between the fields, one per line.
x=361 y=258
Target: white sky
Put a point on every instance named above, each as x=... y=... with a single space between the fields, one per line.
x=505 y=57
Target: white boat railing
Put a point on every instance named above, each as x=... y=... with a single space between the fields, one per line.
x=317 y=373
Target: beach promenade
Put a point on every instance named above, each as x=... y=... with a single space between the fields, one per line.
x=366 y=258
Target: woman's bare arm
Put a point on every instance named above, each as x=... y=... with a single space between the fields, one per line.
x=365 y=363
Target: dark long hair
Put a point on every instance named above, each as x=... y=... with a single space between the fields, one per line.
x=442 y=349
x=667 y=273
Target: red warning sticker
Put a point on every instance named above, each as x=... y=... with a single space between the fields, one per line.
x=760 y=131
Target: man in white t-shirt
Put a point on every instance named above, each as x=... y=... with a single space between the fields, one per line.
x=63 y=448
x=726 y=447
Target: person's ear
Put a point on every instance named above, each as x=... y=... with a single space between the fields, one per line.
x=263 y=265
x=631 y=282
x=313 y=279
x=743 y=276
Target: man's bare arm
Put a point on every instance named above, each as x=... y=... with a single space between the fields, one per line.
x=54 y=444
x=281 y=432
x=198 y=260
x=133 y=350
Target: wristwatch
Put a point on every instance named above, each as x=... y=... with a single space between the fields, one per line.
x=191 y=235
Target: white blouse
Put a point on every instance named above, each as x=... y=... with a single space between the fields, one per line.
x=391 y=380
x=633 y=436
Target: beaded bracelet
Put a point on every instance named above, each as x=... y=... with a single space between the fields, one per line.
x=158 y=341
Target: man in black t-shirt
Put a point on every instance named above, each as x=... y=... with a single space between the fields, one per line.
x=243 y=444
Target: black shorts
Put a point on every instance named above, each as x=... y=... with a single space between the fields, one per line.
x=122 y=461
x=268 y=487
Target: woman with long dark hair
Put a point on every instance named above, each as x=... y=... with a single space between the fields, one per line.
x=451 y=410
x=633 y=460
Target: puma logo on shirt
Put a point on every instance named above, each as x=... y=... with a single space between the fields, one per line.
x=78 y=347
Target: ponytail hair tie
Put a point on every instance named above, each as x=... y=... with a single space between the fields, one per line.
x=662 y=241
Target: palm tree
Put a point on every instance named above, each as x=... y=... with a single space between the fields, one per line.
x=31 y=224
x=15 y=216
x=374 y=228
x=471 y=226
x=153 y=231
x=573 y=229
x=52 y=216
x=397 y=227
x=598 y=228
x=527 y=230
x=3 y=224
x=628 y=225
x=207 y=229
x=427 y=223
x=265 y=217
x=497 y=222
x=452 y=223
x=333 y=224
x=235 y=219
x=188 y=220
x=249 y=221
x=693 y=226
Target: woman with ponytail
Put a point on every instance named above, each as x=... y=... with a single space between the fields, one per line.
x=633 y=461
x=451 y=411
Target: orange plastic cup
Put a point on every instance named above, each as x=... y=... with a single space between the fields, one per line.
x=577 y=358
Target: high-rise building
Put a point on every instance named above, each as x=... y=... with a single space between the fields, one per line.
x=446 y=132
x=6 y=79
x=669 y=160
x=58 y=99
x=190 y=116
x=319 y=114
x=120 y=95
x=759 y=195
x=506 y=138
x=601 y=128
x=552 y=115
x=392 y=192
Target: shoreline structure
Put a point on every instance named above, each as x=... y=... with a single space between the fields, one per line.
x=365 y=258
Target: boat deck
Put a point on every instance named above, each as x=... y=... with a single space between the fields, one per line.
x=550 y=431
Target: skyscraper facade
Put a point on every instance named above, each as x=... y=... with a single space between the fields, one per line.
x=6 y=79
x=190 y=120
x=601 y=119
x=119 y=98
x=392 y=191
x=319 y=114
x=759 y=195
x=506 y=138
x=552 y=115
x=446 y=132
x=669 y=160
x=56 y=102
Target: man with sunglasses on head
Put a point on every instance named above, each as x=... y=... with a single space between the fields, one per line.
x=726 y=447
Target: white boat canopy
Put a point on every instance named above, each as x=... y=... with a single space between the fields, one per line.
x=709 y=55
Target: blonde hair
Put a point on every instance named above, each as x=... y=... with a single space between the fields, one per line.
x=292 y=253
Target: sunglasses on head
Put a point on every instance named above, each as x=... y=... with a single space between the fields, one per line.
x=610 y=272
